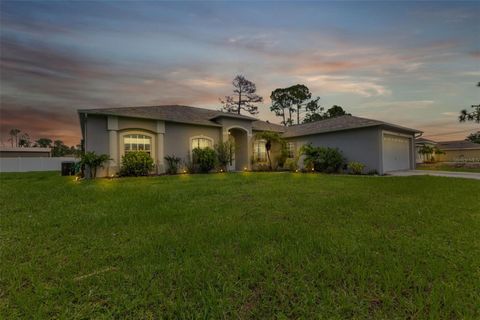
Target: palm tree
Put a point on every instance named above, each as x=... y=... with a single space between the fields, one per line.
x=269 y=137
x=14 y=136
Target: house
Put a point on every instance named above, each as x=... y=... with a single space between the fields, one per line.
x=177 y=130
x=24 y=152
x=419 y=144
x=459 y=151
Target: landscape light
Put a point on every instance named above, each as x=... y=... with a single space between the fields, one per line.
x=245 y=168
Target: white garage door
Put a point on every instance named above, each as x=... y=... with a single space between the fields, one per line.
x=396 y=153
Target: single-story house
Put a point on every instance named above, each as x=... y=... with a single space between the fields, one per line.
x=459 y=151
x=419 y=143
x=24 y=152
x=177 y=130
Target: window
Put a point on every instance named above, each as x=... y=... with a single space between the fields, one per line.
x=259 y=151
x=202 y=143
x=290 y=150
x=137 y=142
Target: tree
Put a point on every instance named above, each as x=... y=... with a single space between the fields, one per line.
x=281 y=103
x=315 y=112
x=472 y=115
x=287 y=101
x=335 y=111
x=43 y=143
x=14 y=136
x=24 y=140
x=59 y=149
x=269 y=137
x=474 y=137
x=244 y=97
x=300 y=95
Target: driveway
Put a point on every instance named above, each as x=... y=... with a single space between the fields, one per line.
x=451 y=174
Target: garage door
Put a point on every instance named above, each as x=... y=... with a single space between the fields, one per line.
x=396 y=153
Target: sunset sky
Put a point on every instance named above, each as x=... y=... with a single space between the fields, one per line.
x=414 y=64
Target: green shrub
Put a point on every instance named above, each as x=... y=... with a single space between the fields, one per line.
x=322 y=159
x=172 y=164
x=356 y=167
x=204 y=159
x=291 y=164
x=91 y=161
x=138 y=163
x=225 y=153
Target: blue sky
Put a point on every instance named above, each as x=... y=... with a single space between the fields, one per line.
x=411 y=63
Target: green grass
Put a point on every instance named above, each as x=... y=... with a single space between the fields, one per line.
x=443 y=167
x=239 y=246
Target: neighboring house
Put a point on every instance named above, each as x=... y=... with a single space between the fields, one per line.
x=459 y=151
x=24 y=152
x=419 y=143
x=177 y=130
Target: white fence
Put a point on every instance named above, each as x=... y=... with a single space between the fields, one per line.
x=32 y=164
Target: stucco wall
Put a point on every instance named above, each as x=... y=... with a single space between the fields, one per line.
x=97 y=134
x=177 y=137
x=362 y=145
x=133 y=123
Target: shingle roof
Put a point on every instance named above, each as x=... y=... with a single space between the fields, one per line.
x=200 y=116
x=424 y=140
x=458 y=144
x=174 y=113
x=267 y=126
x=337 y=124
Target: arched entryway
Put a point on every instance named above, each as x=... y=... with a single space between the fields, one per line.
x=239 y=137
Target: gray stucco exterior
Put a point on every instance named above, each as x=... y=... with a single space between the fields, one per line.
x=362 y=145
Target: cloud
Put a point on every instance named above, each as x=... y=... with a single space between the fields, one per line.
x=363 y=86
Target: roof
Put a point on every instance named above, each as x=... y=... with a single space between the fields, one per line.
x=346 y=122
x=173 y=113
x=424 y=140
x=24 y=149
x=267 y=126
x=457 y=145
x=200 y=116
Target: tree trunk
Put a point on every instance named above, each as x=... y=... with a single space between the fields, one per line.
x=298 y=114
x=283 y=115
x=239 y=101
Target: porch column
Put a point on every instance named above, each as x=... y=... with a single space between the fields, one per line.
x=112 y=127
x=250 y=141
x=160 y=153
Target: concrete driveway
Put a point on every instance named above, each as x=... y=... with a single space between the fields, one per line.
x=451 y=174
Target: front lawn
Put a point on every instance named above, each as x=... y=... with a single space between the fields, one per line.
x=445 y=167
x=256 y=246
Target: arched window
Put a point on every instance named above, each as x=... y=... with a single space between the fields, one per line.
x=260 y=151
x=202 y=142
x=137 y=142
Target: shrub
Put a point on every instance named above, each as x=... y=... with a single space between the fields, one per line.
x=356 y=167
x=204 y=159
x=138 y=163
x=291 y=164
x=91 y=161
x=225 y=152
x=322 y=159
x=172 y=164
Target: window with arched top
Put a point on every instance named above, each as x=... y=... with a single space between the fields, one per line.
x=201 y=142
x=137 y=142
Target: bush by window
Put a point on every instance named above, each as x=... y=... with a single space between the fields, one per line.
x=136 y=163
x=204 y=159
